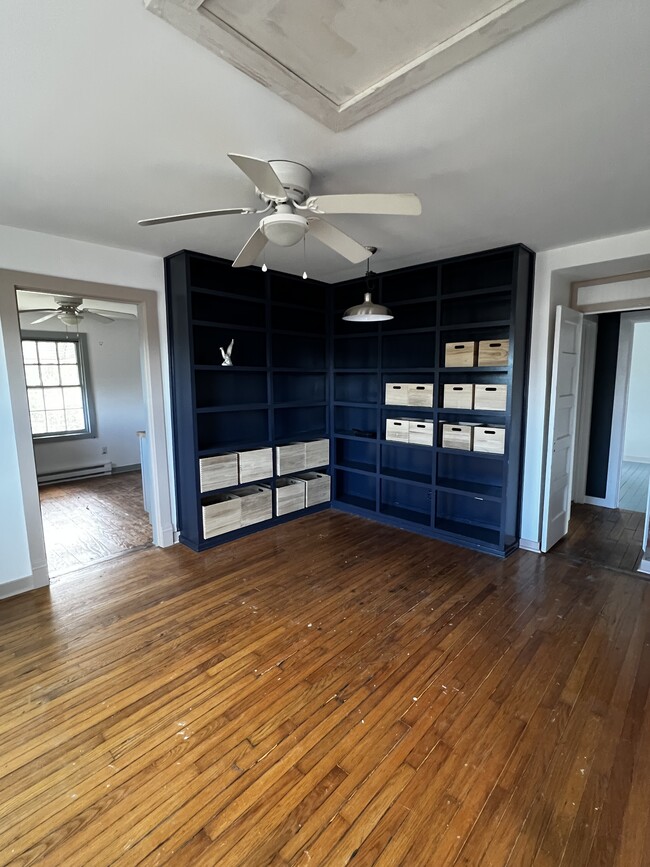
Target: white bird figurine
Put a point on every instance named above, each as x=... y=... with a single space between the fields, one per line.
x=227 y=353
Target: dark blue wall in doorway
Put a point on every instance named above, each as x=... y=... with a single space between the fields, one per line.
x=603 y=403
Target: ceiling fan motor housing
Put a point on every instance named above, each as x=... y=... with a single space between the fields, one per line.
x=295 y=178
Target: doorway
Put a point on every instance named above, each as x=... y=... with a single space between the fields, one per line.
x=86 y=406
x=611 y=471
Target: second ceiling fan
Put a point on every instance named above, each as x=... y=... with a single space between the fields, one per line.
x=290 y=212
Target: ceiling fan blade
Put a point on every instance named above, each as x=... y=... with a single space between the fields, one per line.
x=196 y=215
x=399 y=204
x=112 y=314
x=261 y=174
x=95 y=317
x=32 y=311
x=47 y=316
x=338 y=241
x=251 y=250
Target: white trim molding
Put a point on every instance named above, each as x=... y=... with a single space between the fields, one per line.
x=530 y=545
x=161 y=499
x=266 y=52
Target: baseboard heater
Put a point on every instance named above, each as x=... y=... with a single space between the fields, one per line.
x=77 y=473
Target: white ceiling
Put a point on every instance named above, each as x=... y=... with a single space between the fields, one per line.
x=110 y=115
x=343 y=60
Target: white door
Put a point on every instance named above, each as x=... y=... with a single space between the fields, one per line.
x=562 y=425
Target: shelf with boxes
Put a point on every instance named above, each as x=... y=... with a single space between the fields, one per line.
x=275 y=392
x=294 y=486
x=413 y=397
x=474 y=403
x=381 y=393
x=472 y=437
x=458 y=343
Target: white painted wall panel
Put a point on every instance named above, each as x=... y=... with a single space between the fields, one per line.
x=637 y=425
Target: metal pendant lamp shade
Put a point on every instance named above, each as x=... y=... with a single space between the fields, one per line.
x=367 y=312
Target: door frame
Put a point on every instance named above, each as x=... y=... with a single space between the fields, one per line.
x=153 y=392
x=585 y=403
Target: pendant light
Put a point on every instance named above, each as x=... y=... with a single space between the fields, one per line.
x=368 y=311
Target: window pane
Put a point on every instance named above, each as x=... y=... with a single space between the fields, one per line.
x=53 y=398
x=55 y=421
x=38 y=422
x=67 y=352
x=72 y=398
x=47 y=352
x=29 y=352
x=75 y=419
x=35 y=397
x=57 y=399
x=32 y=375
x=50 y=375
x=69 y=374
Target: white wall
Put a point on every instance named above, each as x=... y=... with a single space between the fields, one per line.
x=555 y=270
x=116 y=387
x=625 y=295
x=637 y=422
x=31 y=260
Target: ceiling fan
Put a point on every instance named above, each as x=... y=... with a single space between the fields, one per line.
x=70 y=312
x=290 y=212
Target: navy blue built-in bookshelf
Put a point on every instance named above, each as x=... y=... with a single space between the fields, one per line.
x=302 y=373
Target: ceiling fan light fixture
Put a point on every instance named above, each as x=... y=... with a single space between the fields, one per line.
x=368 y=311
x=282 y=229
x=70 y=318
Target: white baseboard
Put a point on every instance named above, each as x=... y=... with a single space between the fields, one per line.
x=39 y=578
x=599 y=501
x=637 y=459
x=76 y=473
x=530 y=545
x=168 y=536
x=644 y=567
x=127 y=468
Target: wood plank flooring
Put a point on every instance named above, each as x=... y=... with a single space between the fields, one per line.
x=607 y=537
x=329 y=691
x=93 y=519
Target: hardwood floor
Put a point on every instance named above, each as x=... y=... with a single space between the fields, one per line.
x=608 y=537
x=328 y=691
x=93 y=519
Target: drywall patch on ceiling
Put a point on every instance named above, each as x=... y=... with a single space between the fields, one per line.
x=343 y=60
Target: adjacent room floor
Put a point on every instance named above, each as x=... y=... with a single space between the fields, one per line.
x=327 y=691
x=606 y=537
x=633 y=491
x=91 y=520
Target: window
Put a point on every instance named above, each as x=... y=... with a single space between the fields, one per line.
x=57 y=386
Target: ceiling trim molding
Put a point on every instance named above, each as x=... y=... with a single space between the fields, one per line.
x=202 y=25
